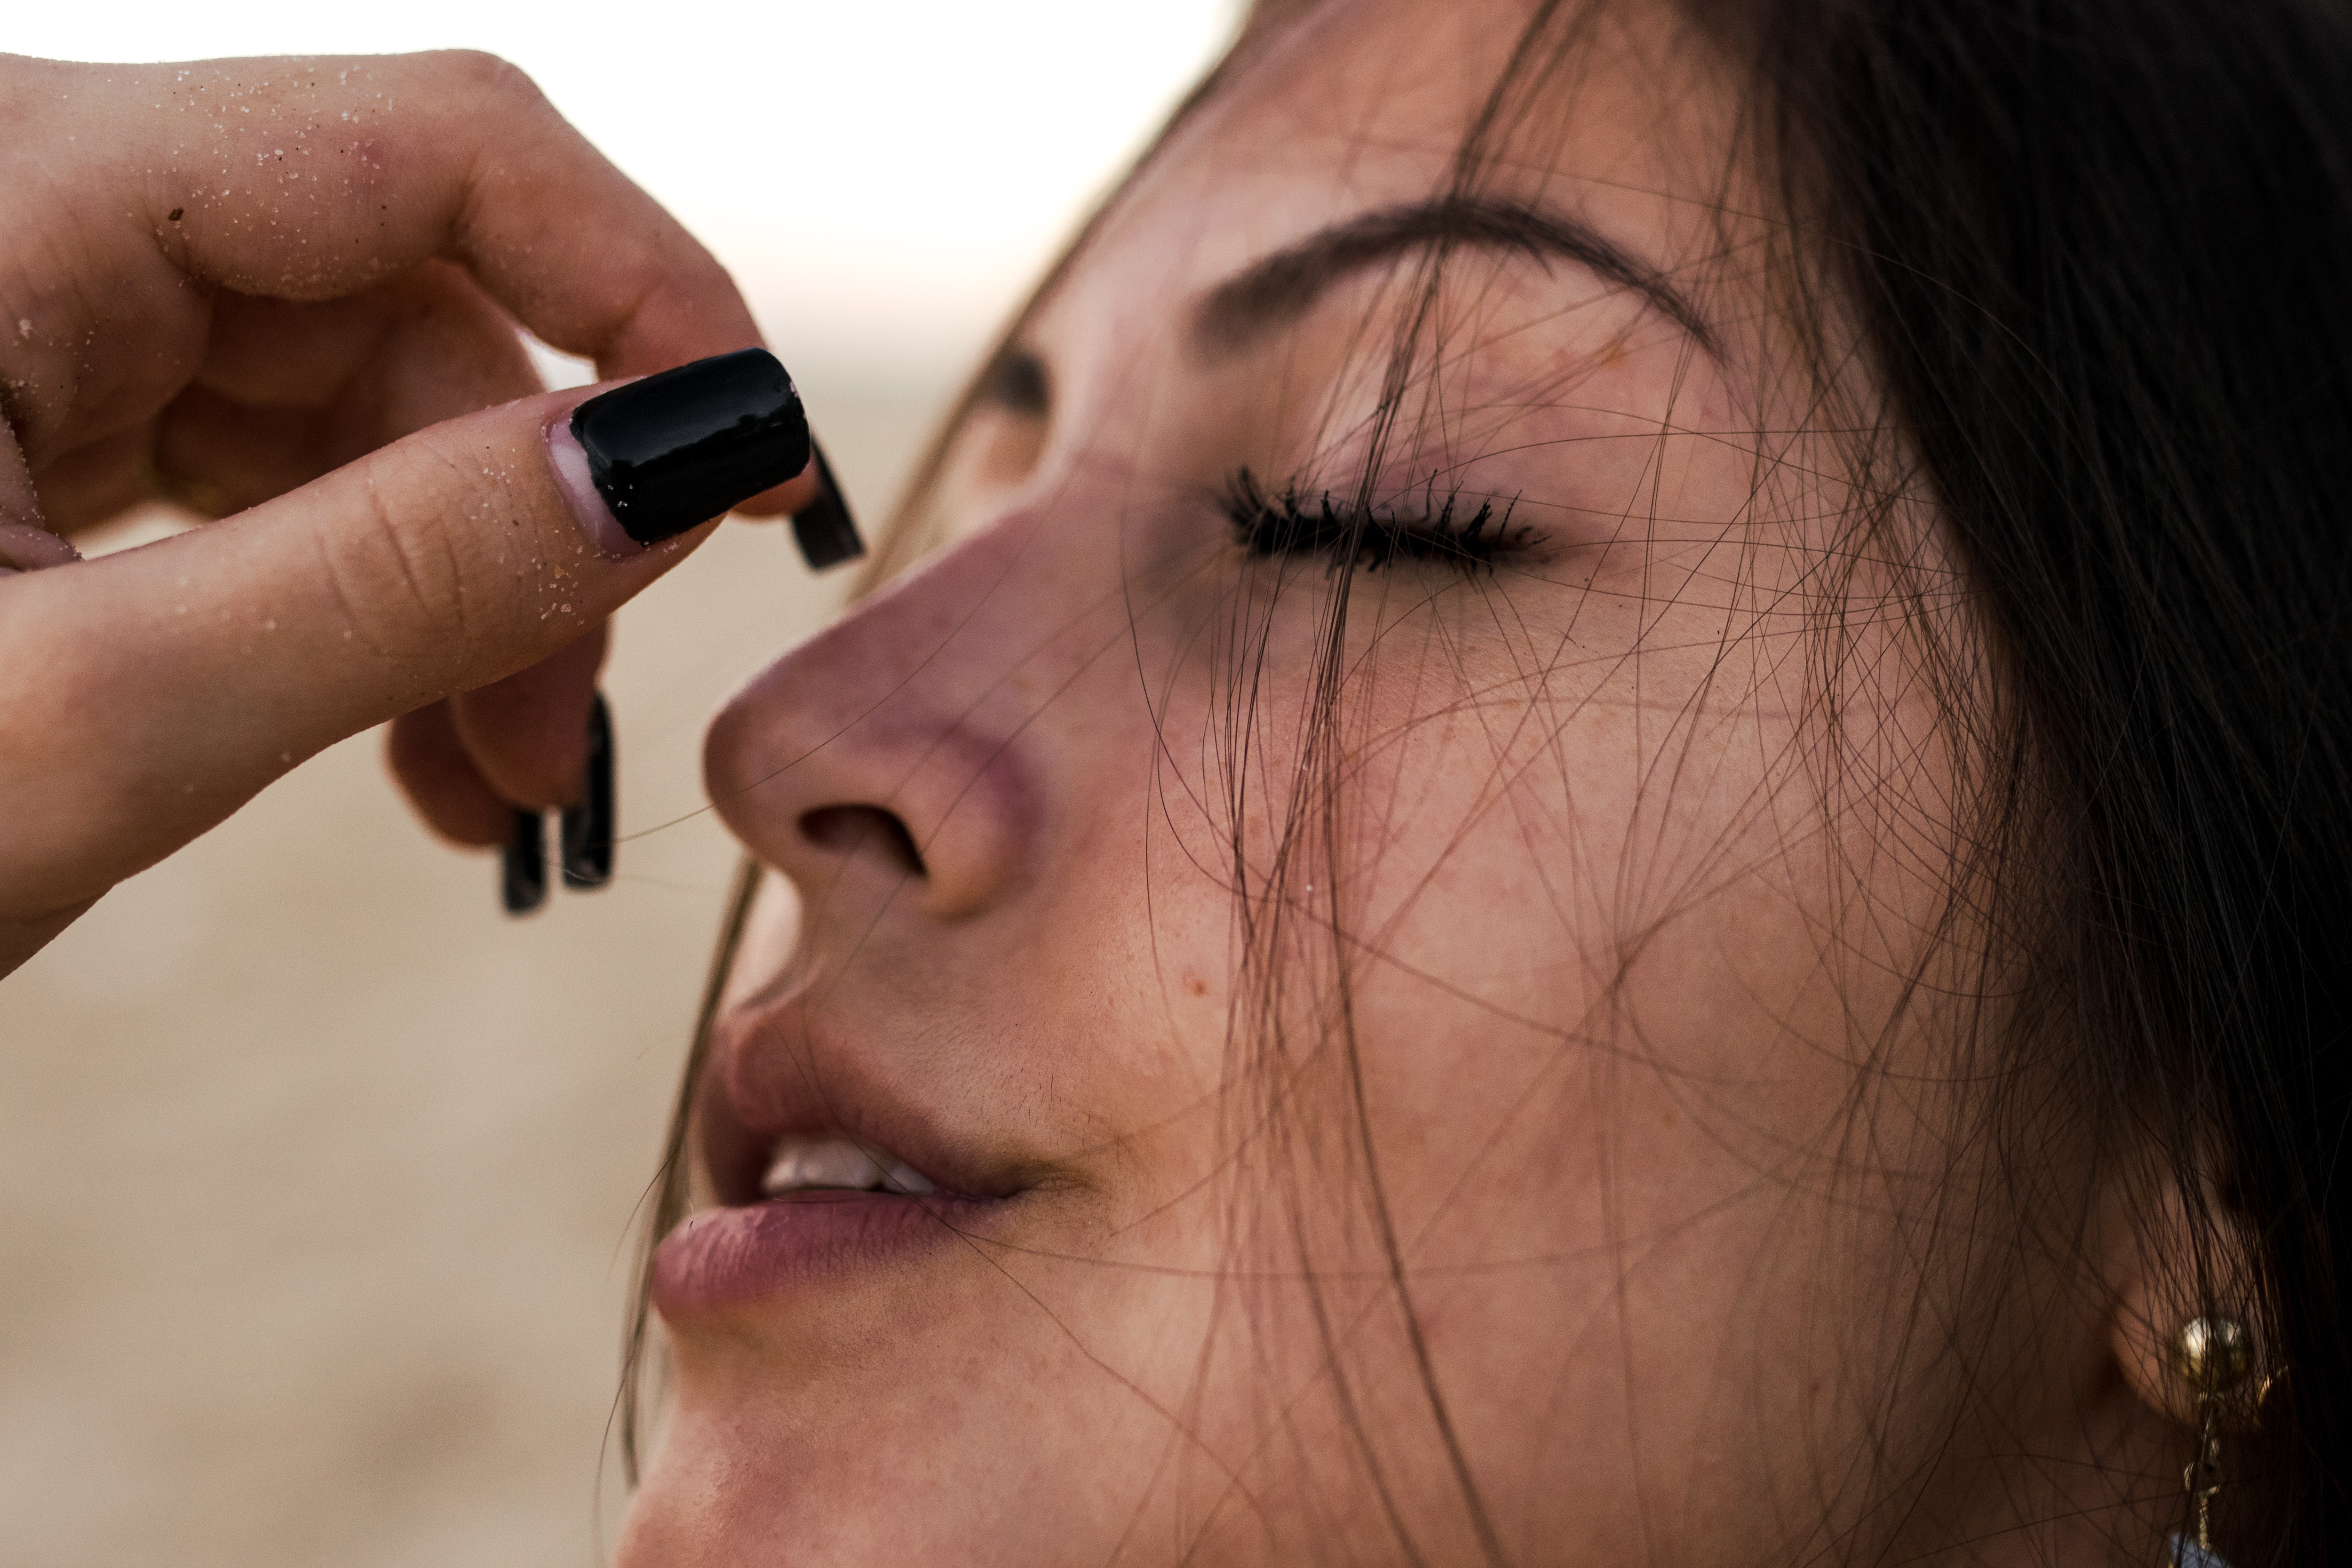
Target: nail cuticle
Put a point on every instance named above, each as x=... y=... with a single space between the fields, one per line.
x=596 y=520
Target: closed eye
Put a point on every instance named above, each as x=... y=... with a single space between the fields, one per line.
x=1448 y=531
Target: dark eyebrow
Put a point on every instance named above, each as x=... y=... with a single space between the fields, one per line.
x=1278 y=289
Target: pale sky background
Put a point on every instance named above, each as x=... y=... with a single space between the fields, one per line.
x=883 y=175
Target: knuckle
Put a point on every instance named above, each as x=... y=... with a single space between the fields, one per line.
x=399 y=581
x=495 y=81
x=443 y=574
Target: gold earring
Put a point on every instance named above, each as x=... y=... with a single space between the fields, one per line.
x=2214 y=1356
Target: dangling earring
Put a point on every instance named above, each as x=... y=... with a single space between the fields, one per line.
x=2214 y=1356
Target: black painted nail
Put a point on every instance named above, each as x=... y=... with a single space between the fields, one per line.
x=587 y=833
x=824 y=528
x=680 y=447
x=522 y=864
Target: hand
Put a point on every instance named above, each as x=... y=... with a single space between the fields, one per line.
x=282 y=288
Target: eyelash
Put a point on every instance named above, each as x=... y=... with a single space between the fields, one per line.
x=1288 y=524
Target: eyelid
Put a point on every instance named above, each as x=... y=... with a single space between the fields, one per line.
x=1468 y=532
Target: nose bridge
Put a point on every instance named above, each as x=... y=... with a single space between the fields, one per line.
x=955 y=644
x=923 y=702
x=956 y=634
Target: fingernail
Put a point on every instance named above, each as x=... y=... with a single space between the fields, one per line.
x=587 y=832
x=824 y=528
x=522 y=864
x=678 y=449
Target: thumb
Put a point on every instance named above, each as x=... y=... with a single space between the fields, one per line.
x=177 y=680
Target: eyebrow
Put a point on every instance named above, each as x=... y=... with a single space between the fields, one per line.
x=1278 y=289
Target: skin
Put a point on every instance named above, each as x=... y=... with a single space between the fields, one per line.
x=269 y=289
x=1635 y=1096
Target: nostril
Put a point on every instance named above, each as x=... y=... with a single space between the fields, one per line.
x=847 y=829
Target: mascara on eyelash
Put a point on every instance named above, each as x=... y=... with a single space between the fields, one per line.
x=1285 y=523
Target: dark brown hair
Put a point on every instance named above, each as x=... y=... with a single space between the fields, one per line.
x=2098 y=252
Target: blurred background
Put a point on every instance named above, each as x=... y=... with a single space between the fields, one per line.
x=316 y=1173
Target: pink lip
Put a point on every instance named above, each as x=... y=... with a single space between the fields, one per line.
x=728 y=1256
x=774 y=1073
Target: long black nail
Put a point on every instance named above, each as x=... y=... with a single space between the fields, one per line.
x=824 y=528
x=680 y=447
x=587 y=835
x=522 y=864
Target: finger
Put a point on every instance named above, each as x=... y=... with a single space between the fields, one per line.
x=528 y=735
x=177 y=680
x=782 y=501
x=292 y=390
x=440 y=780
x=20 y=939
x=20 y=501
x=26 y=542
x=314 y=179
x=216 y=456
x=425 y=346
x=95 y=482
x=26 y=548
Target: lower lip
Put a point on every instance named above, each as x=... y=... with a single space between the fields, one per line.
x=723 y=1257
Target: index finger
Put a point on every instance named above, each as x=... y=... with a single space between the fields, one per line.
x=313 y=177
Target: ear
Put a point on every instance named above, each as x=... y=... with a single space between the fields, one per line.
x=2175 y=1258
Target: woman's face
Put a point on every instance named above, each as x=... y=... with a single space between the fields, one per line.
x=1438 y=1074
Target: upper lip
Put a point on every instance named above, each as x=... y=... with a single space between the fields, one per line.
x=775 y=1071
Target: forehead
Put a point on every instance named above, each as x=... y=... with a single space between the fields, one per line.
x=1615 y=115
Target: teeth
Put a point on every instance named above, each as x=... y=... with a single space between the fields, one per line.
x=805 y=1164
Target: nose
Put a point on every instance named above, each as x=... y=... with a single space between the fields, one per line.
x=901 y=747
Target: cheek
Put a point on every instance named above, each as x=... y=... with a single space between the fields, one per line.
x=1605 y=1011
x=1623 y=912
